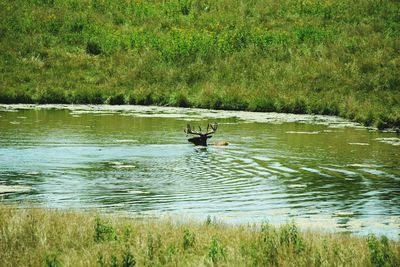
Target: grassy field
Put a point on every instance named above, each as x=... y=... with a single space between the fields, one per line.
x=40 y=237
x=311 y=56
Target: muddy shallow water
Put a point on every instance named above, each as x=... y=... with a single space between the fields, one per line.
x=323 y=172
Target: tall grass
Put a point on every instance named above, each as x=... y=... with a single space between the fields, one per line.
x=323 y=57
x=40 y=237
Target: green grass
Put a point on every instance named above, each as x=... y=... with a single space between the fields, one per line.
x=41 y=237
x=317 y=57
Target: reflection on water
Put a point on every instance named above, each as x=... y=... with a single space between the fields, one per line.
x=335 y=178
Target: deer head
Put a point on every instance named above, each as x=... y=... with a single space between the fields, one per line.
x=201 y=139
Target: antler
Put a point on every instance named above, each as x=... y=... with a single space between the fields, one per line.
x=213 y=126
x=190 y=130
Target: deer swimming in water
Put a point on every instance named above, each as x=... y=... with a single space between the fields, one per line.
x=201 y=139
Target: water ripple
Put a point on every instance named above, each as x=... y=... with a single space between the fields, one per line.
x=140 y=165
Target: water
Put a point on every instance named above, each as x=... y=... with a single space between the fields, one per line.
x=322 y=176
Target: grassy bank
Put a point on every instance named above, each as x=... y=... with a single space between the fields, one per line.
x=39 y=237
x=325 y=57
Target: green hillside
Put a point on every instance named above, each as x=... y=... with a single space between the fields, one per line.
x=324 y=57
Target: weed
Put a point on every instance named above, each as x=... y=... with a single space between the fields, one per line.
x=208 y=220
x=185 y=6
x=118 y=99
x=100 y=260
x=128 y=232
x=153 y=247
x=380 y=252
x=268 y=245
x=290 y=236
x=103 y=231
x=317 y=259
x=46 y=96
x=179 y=99
x=189 y=239
x=170 y=252
x=93 y=48
x=216 y=250
x=87 y=96
x=150 y=247
x=113 y=261
x=52 y=260
x=128 y=260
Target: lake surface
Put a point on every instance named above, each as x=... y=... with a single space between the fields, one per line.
x=321 y=175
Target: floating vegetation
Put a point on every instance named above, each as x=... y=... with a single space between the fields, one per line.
x=189 y=114
x=359 y=144
x=344 y=214
x=293 y=132
x=13 y=189
x=120 y=165
x=389 y=140
x=126 y=141
x=297 y=186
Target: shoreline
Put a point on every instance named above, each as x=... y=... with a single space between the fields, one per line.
x=195 y=114
x=43 y=237
x=325 y=224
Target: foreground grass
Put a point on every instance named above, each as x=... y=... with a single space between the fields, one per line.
x=326 y=57
x=40 y=237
